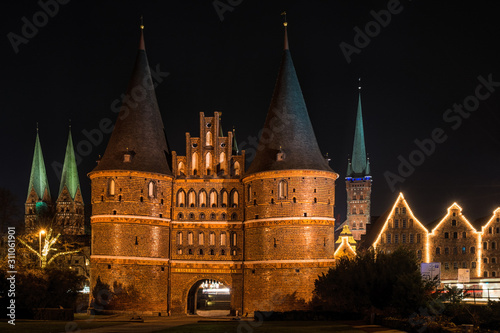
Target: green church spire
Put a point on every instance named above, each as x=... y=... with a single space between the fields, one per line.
x=38 y=176
x=359 y=162
x=69 y=177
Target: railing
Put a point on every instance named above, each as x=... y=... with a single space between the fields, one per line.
x=474 y=294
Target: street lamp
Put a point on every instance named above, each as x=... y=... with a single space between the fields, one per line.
x=42 y=232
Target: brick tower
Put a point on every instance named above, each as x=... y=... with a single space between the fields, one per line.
x=131 y=197
x=289 y=204
x=358 y=181
x=69 y=204
x=38 y=201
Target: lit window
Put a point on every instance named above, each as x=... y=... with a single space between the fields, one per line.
x=151 y=189
x=179 y=238
x=282 y=189
x=212 y=238
x=233 y=239
x=201 y=238
x=223 y=239
x=190 y=238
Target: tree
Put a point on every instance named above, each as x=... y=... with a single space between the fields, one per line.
x=374 y=280
x=47 y=255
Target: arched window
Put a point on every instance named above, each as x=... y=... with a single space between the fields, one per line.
x=234 y=216
x=213 y=198
x=294 y=200
x=181 y=198
x=201 y=238
x=222 y=162
x=234 y=198
x=111 y=187
x=493 y=245
x=192 y=198
x=211 y=238
x=485 y=245
x=212 y=216
x=179 y=238
x=181 y=169
x=209 y=139
x=180 y=216
x=282 y=189
x=234 y=239
x=249 y=192
x=224 y=198
x=223 y=240
x=236 y=168
x=208 y=162
x=315 y=200
x=202 y=198
x=194 y=163
x=190 y=238
x=152 y=189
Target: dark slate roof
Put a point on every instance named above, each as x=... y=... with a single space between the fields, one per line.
x=374 y=228
x=139 y=127
x=288 y=128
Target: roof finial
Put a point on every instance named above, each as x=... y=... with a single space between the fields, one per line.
x=359 y=83
x=285 y=24
x=142 y=22
x=37 y=127
x=70 y=124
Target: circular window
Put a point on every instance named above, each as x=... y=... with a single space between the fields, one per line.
x=209 y=125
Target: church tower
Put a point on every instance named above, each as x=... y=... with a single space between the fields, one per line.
x=69 y=203
x=358 y=181
x=38 y=201
x=131 y=197
x=289 y=204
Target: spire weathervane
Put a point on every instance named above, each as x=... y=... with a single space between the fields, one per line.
x=37 y=126
x=142 y=22
x=285 y=23
x=359 y=83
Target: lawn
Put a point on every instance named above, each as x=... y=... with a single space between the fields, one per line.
x=263 y=327
x=52 y=326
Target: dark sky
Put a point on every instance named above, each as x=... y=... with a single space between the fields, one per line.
x=425 y=60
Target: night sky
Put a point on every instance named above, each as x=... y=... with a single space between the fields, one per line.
x=426 y=59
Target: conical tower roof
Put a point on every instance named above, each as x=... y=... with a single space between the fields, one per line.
x=38 y=176
x=69 y=176
x=139 y=131
x=288 y=140
x=359 y=165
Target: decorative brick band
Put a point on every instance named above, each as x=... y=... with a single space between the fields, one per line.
x=125 y=260
x=291 y=173
x=129 y=173
x=289 y=221
x=130 y=219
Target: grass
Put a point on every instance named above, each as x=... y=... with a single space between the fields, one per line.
x=263 y=327
x=52 y=326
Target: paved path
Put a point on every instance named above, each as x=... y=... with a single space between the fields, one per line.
x=152 y=324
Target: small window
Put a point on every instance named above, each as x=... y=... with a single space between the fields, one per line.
x=419 y=254
x=388 y=238
x=455 y=265
x=493 y=245
x=404 y=223
x=454 y=223
x=485 y=274
x=485 y=245
x=493 y=260
x=472 y=250
x=473 y=264
x=418 y=238
x=485 y=260
x=455 y=235
x=396 y=223
x=446 y=251
x=411 y=238
x=446 y=235
x=396 y=239
x=404 y=210
x=190 y=238
x=464 y=250
x=438 y=250
x=446 y=266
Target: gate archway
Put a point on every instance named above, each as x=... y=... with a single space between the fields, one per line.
x=209 y=297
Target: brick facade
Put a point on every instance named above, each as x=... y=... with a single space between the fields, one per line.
x=453 y=241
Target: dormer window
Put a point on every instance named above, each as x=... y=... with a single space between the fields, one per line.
x=280 y=156
x=127 y=156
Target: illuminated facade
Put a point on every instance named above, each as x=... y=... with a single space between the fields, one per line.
x=453 y=240
x=264 y=233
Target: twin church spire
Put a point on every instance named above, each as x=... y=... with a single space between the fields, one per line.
x=69 y=216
